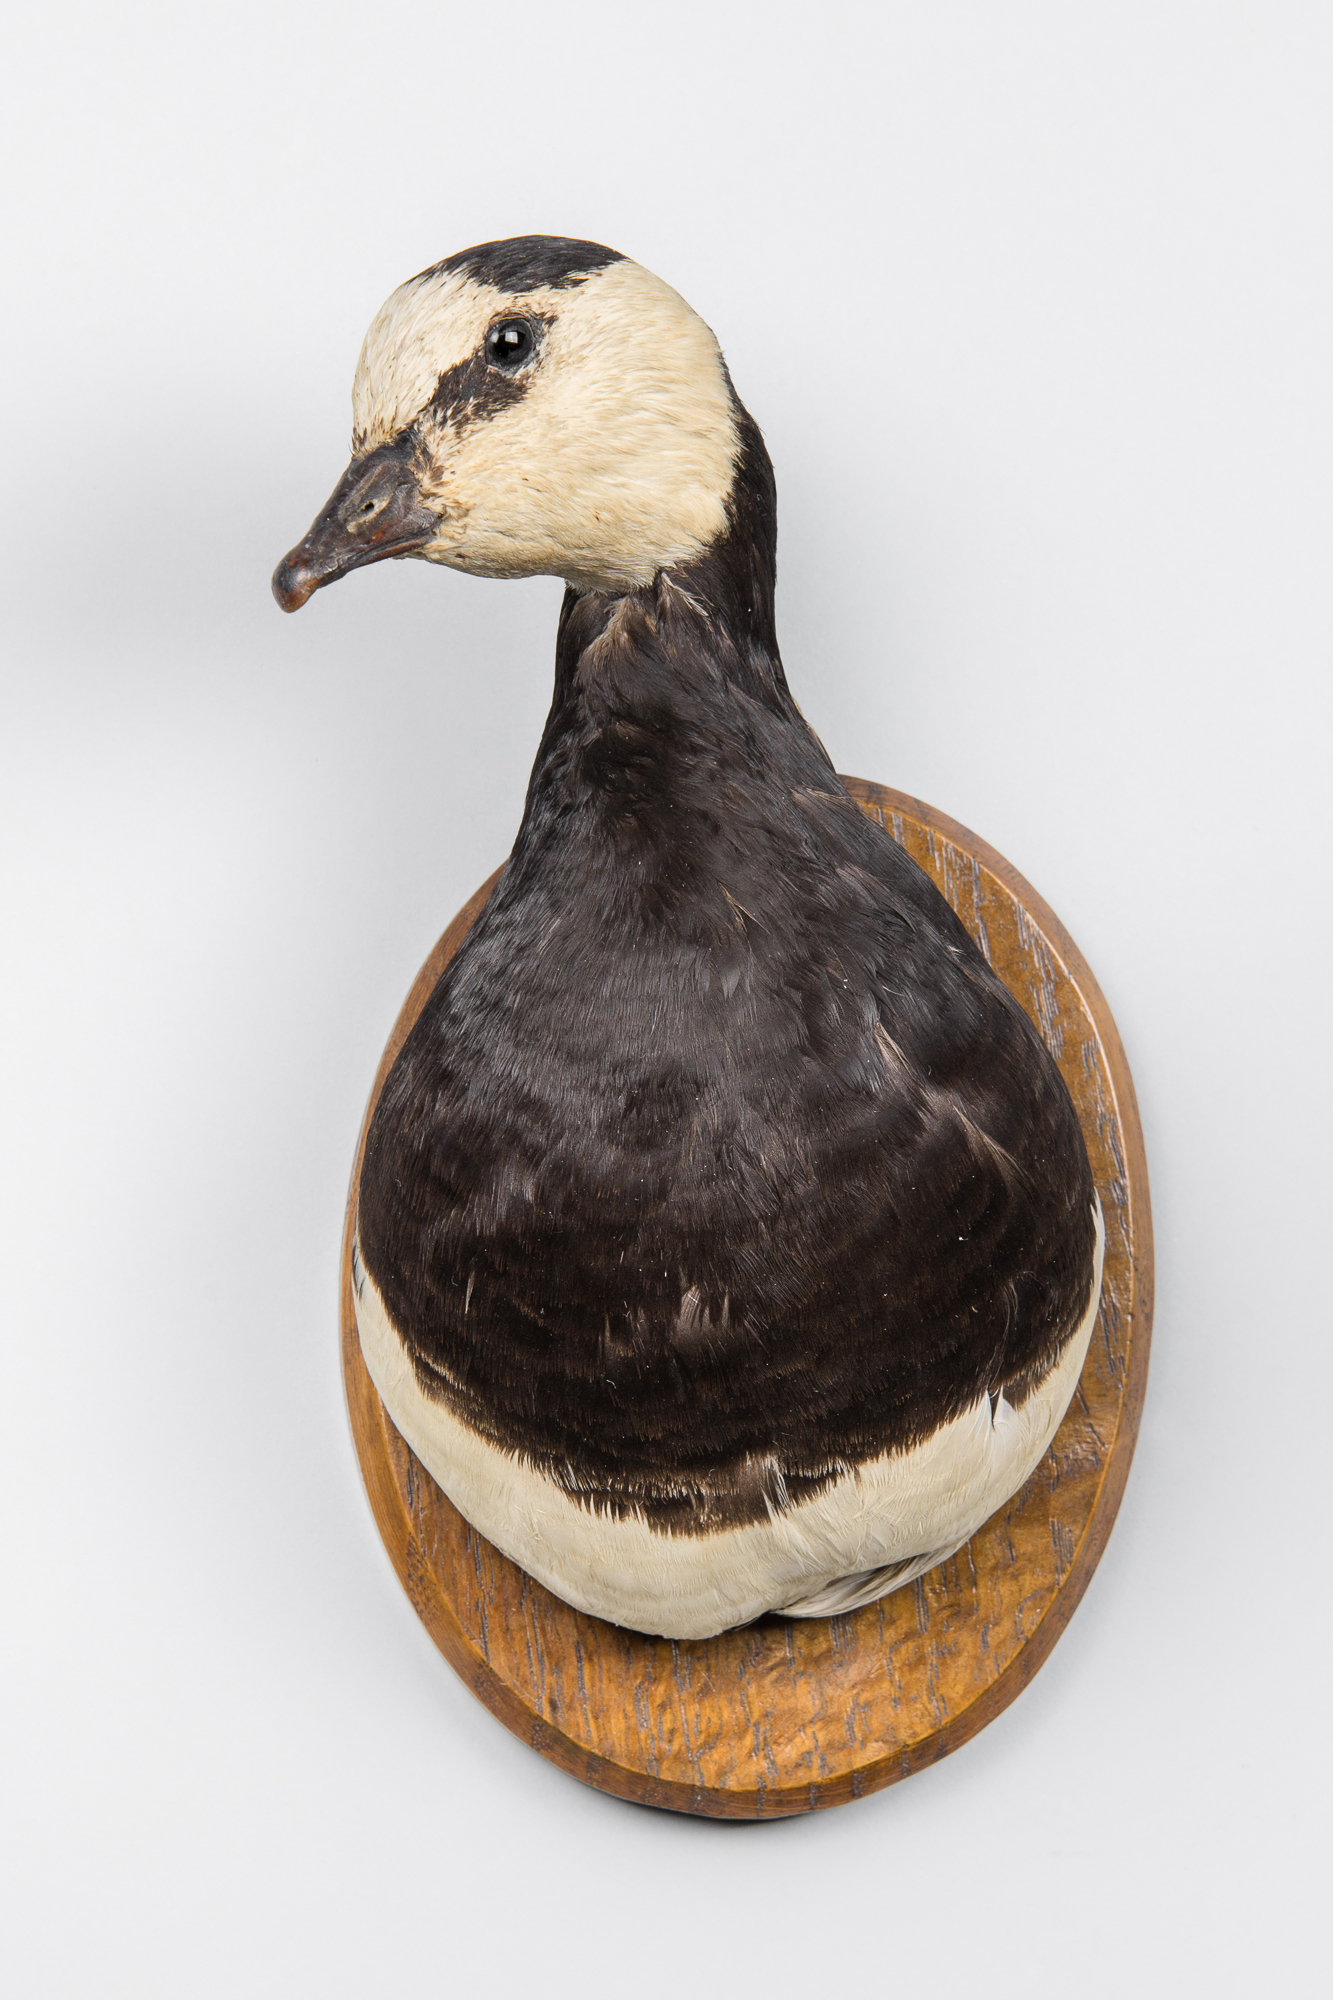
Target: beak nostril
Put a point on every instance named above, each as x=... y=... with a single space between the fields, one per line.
x=375 y=511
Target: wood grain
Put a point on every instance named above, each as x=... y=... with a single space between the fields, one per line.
x=788 y=1716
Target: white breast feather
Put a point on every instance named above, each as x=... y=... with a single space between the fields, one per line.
x=868 y=1532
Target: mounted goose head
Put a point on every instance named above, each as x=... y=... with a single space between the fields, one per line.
x=534 y=407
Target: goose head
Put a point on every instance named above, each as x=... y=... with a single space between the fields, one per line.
x=538 y=406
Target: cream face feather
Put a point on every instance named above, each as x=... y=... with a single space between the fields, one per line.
x=616 y=459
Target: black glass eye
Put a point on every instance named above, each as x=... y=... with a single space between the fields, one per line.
x=509 y=343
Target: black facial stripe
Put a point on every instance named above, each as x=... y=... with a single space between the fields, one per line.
x=473 y=391
x=523 y=263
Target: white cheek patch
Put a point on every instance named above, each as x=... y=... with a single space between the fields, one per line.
x=616 y=461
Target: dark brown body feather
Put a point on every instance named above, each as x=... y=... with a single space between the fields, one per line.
x=719 y=1160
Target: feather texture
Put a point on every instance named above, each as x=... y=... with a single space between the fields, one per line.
x=726 y=1235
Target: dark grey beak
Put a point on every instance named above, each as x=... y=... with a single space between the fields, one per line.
x=375 y=511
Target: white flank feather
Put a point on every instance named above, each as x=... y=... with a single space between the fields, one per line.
x=867 y=1533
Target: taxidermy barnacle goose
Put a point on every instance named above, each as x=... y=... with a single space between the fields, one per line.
x=727 y=1241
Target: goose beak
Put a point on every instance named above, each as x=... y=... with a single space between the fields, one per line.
x=375 y=511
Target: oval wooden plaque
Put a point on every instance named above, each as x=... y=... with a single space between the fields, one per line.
x=789 y=1715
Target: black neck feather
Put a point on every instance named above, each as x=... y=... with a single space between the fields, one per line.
x=723 y=597
x=665 y=693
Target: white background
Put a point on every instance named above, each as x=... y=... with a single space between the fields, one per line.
x=1033 y=304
